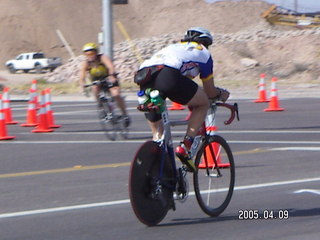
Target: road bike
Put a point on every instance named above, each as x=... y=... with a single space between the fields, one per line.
x=155 y=183
x=111 y=123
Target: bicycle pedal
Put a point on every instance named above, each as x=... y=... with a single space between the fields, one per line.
x=172 y=204
x=109 y=117
x=181 y=197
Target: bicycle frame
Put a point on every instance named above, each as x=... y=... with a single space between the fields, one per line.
x=166 y=144
x=111 y=122
x=205 y=132
x=155 y=182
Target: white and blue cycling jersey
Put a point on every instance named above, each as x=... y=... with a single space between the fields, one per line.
x=190 y=58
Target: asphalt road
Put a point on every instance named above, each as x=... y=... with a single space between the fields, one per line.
x=73 y=183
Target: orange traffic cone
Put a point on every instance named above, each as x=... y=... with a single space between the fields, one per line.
x=274 y=102
x=176 y=106
x=34 y=92
x=31 y=111
x=6 y=107
x=212 y=151
x=50 y=116
x=3 y=127
x=262 y=91
x=43 y=125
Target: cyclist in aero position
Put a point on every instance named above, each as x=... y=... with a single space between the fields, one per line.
x=100 y=67
x=170 y=71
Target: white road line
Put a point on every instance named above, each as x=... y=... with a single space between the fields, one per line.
x=173 y=132
x=313 y=191
x=100 y=132
x=270 y=131
x=60 y=209
x=126 y=201
x=273 y=142
x=175 y=141
x=297 y=149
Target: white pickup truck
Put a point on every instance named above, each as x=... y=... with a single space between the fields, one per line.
x=32 y=61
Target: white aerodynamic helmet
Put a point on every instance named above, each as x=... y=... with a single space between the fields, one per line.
x=198 y=34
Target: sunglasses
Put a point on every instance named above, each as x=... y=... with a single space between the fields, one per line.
x=90 y=53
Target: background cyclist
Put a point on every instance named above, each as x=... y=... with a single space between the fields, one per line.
x=100 y=67
x=176 y=65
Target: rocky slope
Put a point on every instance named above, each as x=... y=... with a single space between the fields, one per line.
x=292 y=56
x=245 y=44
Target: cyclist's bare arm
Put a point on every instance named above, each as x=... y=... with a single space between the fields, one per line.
x=108 y=63
x=82 y=74
x=214 y=92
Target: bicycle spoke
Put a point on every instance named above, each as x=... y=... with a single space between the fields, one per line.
x=214 y=178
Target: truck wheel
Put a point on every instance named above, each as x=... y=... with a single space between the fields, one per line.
x=38 y=68
x=11 y=68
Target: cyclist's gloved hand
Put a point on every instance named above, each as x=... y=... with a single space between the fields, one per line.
x=224 y=94
x=112 y=78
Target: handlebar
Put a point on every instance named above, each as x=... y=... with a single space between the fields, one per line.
x=105 y=84
x=233 y=109
x=103 y=81
x=98 y=82
x=148 y=108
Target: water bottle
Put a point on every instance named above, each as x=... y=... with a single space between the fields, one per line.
x=142 y=98
x=157 y=100
x=147 y=92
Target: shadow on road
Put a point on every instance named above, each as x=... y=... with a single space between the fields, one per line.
x=192 y=221
x=304 y=212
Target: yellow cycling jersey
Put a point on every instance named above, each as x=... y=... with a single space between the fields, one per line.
x=97 y=69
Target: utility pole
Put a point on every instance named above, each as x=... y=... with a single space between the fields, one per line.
x=107 y=28
x=296 y=5
x=107 y=25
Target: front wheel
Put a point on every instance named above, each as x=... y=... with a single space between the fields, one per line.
x=214 y=177
x=108 y=120
x=123 y=127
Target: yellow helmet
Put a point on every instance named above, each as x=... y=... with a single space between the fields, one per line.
x=90 y=47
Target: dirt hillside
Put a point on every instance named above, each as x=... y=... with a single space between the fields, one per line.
x=245 y=44
x=32 y=26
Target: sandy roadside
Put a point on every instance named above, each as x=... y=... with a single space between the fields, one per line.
x=14 y=79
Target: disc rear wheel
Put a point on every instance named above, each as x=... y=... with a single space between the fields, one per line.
x=151 y=196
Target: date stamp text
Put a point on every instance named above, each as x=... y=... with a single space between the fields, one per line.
x=253 y=214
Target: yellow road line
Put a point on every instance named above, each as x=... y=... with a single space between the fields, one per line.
x=92 y=167
x=252 y=151
x=62 y=170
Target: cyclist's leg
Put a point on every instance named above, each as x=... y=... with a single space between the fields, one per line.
x=95 y=92
x=116 y=94
x=156 y=128
x=183 y=90
x=153 y=118
x=199 y=105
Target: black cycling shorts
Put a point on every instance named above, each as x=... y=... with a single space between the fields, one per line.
x=173 y=85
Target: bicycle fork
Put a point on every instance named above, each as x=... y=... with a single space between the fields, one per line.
x=215 y=163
